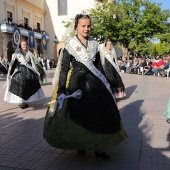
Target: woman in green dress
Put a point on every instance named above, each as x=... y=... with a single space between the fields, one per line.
x=41 y=68
x=167 y=111
x=91 y=122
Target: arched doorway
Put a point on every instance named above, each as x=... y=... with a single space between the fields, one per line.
x=10 y=50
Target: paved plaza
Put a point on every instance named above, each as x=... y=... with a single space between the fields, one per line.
x=147 y=147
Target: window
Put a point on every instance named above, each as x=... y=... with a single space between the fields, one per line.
x=26 y=23
x=9 y=16
x=62 y=7
x=38 y=26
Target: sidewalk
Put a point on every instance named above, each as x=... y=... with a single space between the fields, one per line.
x=147 y=147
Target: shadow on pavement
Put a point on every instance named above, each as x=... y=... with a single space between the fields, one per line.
x=129 y=91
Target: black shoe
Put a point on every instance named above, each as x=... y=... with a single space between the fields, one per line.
x=24 y=106
x=168 y=120
x=81 y=152
x=102 y=155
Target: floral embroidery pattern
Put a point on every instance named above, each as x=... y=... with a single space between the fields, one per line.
x=78 y=48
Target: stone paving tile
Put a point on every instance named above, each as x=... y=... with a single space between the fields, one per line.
x=147 y=147
x=6 y=168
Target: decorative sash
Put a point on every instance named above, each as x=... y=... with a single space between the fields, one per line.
x=83 y=57
x=23 y=61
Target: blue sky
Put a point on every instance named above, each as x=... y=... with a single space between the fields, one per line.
x=165 y=3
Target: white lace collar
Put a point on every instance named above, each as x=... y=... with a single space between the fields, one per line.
x=92 y=48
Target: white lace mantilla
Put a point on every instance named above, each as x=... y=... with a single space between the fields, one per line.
x=86 y=57
x=76 y=46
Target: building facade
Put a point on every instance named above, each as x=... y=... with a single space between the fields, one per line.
x=63 y=10
x=39 y=17
x=57 y=12
x=28 y=16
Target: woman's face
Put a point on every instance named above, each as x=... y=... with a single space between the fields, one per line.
x=24 y=46
x=109 y=45
x=83 y=27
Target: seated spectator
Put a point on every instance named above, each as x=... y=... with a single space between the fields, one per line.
x=142 y=65
x=135 y=66
x=128 y=66
x=148 y=69
x=163 y=71
x=122 y=67
x=157 y=66
x=120 y=63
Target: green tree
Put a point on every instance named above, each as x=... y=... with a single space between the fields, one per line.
x=142 y=48
x=103 y=22
x=128 y=20
x=163 y=48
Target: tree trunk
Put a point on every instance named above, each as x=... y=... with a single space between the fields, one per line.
x=125 y=51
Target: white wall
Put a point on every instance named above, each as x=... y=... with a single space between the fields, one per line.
x=53 y=22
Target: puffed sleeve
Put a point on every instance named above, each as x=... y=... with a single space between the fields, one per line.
x=65 y=65
x=98 y=63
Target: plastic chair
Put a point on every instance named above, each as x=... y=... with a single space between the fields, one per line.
x=167 y=72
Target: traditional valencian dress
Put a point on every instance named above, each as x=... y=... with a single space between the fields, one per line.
x=41 y=69
x=3 y=68
x=167 y=111
x=112 y=72
x=22 y=81
x=93 y=121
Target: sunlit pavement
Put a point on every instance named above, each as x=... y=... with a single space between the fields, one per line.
x=22 y=145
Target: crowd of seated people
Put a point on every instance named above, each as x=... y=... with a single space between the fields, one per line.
x=25 y=26
x=157 y=66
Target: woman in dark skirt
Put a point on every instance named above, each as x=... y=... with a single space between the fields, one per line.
x=23 y=85
x=111 y=69
x=3 y=67
x=91 y=122
x=40 y=67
